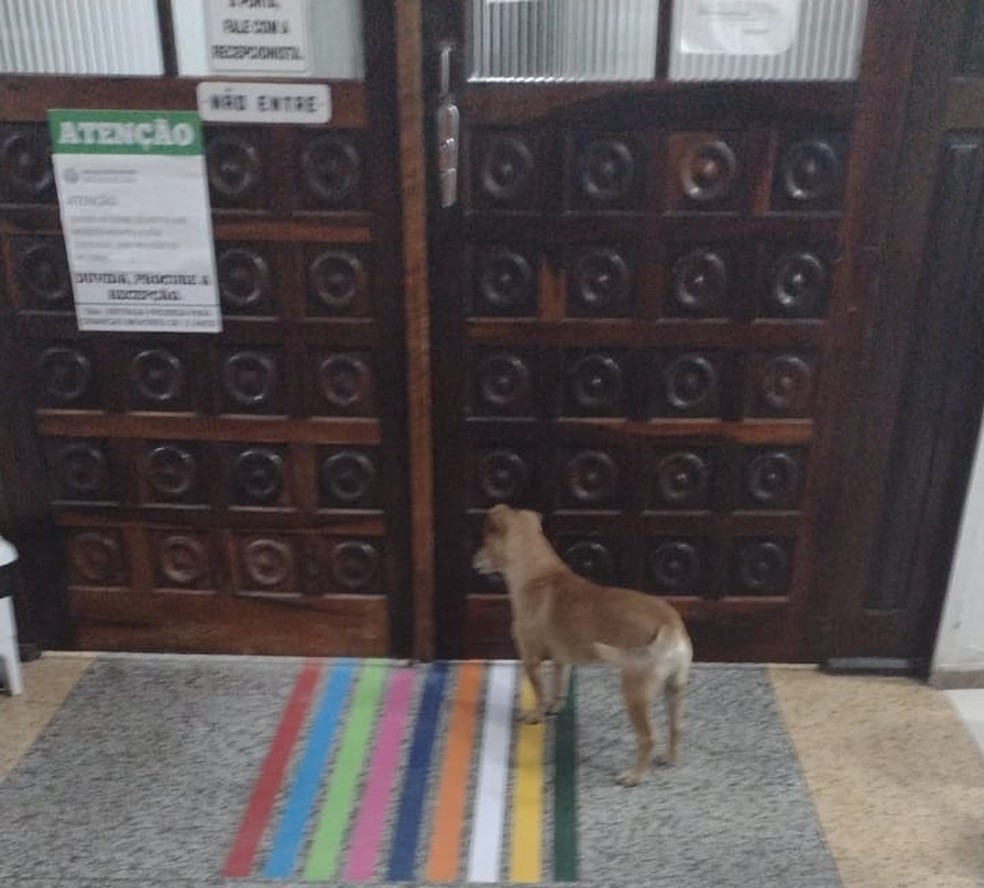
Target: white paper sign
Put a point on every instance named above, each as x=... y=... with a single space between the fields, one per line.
x=225 y=102
x=136 y=218
x=738 y=27
x=263 y=36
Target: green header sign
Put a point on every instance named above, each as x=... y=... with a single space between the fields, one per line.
x=125 y=132
x=133 y=199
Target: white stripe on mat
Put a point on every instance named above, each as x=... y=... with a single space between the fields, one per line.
x=488 y=820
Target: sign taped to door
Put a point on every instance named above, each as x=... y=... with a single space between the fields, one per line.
x=262 y=36
x=133 y=196
x=738 y=27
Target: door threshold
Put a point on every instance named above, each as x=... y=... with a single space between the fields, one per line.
x=870 y=666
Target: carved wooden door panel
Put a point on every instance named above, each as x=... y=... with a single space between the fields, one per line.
x=247 y=491
x=638 y=300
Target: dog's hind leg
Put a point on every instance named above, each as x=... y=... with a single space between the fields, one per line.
x=558 y=690
x=673 y=689
x=531 y=665
x=674 y=711
x=534 y=715
x=637 y=690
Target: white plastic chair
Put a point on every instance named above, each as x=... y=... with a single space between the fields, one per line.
x=9 y=656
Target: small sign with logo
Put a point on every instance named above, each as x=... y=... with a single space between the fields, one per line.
x=133 y=195
x=262 y=36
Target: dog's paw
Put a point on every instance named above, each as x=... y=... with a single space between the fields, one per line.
x=629 y=778
x=556 y=706
x=665 y=761
x=533 y=717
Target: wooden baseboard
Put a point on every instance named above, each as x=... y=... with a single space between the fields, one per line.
x=28 y=651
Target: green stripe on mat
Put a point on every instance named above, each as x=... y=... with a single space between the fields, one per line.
x=336 y=808
x=565 y=790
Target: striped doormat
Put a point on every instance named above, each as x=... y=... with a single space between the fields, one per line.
x=174 y=771
x=378 y=772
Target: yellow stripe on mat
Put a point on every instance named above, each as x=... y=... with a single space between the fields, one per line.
x=527 y=825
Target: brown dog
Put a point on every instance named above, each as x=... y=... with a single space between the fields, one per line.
x=564 y=618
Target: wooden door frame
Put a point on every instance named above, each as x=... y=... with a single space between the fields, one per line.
x=875 y=328
x=933 y=248
x=413 y=168
x=25 y=519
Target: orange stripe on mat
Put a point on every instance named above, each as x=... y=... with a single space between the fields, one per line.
x=449 y=817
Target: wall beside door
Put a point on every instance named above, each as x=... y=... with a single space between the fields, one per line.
x=958 y=659
x=959 y=656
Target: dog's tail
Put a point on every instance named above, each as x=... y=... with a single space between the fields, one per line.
x=668 y=651
x=662 y=645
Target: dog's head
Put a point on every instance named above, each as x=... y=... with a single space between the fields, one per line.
x=505 y=528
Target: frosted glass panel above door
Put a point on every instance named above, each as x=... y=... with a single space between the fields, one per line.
x=563 y=40
x=334 y=41
x=97 y=37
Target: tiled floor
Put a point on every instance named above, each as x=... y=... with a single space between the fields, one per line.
x=48 y=682
x=896 y=779
x=894 y=769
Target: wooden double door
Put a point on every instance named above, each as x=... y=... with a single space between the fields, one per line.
x=649 y=307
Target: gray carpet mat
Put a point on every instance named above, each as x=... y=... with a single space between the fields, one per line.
x=149 y=774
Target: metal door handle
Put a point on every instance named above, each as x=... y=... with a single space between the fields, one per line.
x=448 y=125
x=447 y=152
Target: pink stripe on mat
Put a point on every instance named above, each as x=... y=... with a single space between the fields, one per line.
x=382 y=770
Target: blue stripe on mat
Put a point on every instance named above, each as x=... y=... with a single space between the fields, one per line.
x=307 y=779
x=404 y=851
